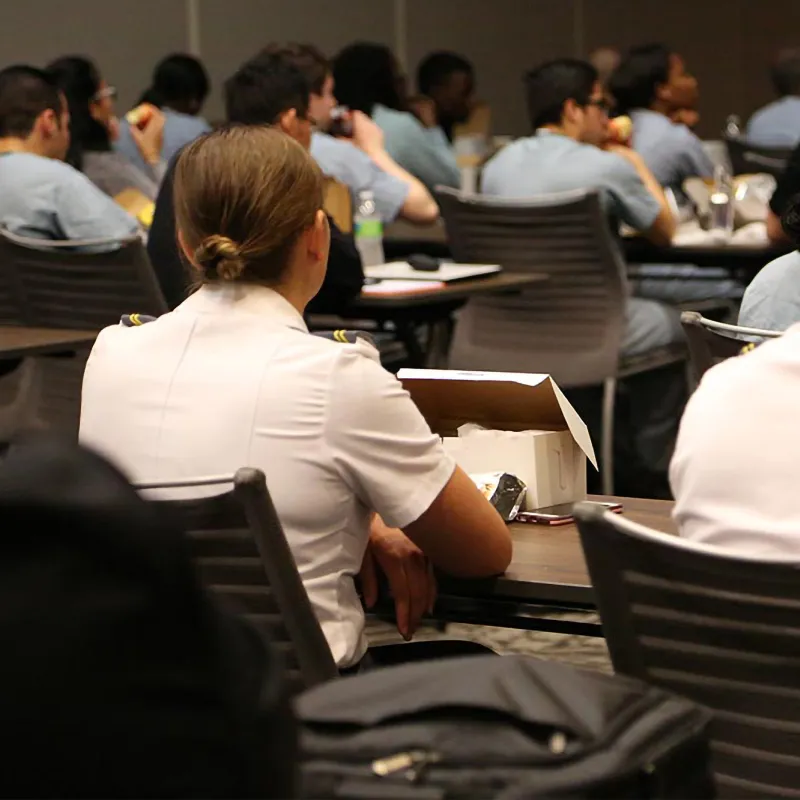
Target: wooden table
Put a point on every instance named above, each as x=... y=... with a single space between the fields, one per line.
x=547 y=575
x=409 y=311
x=19 y=341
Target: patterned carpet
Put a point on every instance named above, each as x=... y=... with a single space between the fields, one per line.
x=580 y=651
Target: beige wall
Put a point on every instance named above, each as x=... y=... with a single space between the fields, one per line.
x=727 y=42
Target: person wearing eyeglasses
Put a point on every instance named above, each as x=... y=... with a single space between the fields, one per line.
x=43 y=197
x=569 y=150
x=94 y=128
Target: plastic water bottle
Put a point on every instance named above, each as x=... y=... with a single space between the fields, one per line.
x=369 y=230
x=733 y=127
x=721 y=204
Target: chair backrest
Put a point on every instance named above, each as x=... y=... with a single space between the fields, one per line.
x=747 y=158
x=711 y=342
x=51 y=285
x=718 y=628
x=241 y=552
x=338 y=203
x=570 y=326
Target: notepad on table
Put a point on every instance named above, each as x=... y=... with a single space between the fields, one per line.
x=403 y=271
x=390 y=287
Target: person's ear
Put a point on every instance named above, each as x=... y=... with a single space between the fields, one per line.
x=319 y=234
x=572 y=111
x=664 y=92
x=48 y=123
x=94 y=111
x=287 y=122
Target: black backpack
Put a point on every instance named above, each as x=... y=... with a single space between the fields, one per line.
x=505 y=728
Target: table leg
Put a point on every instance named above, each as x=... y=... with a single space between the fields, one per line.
x=407 y=334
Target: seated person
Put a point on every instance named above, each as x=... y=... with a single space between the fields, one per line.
x=448 y=81
x=117 y=670
x=654 y=88
x=265 y=91
x=42 y=197
x=734 y=471
x=569 y=114
x=368 y=80
x=778 y=124
x=94 y=128
x=787 y=189
x=180 y=87
x=360 y=162
x=651 y=85
x=772 y=300
x=232 y=377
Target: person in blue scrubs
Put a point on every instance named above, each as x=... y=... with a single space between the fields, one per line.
x=358 y=160
x=772 y=300
x=778 y=124
x=180 y=87
x=43 y=197
x=652 y=85
x=368 y=79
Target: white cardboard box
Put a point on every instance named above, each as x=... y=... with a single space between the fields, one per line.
x=526 y=427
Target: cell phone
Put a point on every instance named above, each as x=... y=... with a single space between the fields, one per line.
x=558 y=515
x=341 y=124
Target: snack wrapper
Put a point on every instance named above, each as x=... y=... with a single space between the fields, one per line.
x=505 y=492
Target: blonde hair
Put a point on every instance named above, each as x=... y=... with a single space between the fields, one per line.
x=243 y=197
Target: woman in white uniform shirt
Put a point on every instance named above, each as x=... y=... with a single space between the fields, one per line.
x=232 y=378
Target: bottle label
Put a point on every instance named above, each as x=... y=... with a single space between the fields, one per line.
x=369 y=228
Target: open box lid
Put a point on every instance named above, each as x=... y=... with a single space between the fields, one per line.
x=514 y=401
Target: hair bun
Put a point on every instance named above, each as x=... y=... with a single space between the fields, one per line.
x=222 y=255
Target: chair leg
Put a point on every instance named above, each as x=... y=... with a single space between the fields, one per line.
x=607 y=435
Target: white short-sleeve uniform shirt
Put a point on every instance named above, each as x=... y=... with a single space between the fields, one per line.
x=232 y=378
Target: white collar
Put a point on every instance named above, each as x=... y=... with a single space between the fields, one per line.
x=247 y=298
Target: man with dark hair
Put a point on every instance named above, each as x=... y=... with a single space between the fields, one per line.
x=267 y=90
x=652 y=86
x=361 y=161
x=569 y=115
x=448 y=79
x=369 y=79
x=43 y=197
x=778 y=124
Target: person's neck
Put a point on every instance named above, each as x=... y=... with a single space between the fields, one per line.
x=297 y=299
x=661 y=108
x=561 y=130
x=13 y=144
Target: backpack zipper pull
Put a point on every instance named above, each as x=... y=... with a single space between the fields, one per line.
x=412 y=762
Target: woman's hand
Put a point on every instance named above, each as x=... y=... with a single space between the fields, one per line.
x=408 y=571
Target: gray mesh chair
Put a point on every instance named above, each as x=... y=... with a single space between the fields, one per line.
x=748 y=158
x=570 y=326
x=48 y=284
x=237 y=542
x=711 y=342
x=721 y=629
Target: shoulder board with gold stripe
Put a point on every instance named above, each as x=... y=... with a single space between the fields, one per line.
x=134 y=320
x=346 y=337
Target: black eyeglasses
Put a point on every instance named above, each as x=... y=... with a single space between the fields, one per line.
x=108 y=92
x=600 y=102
